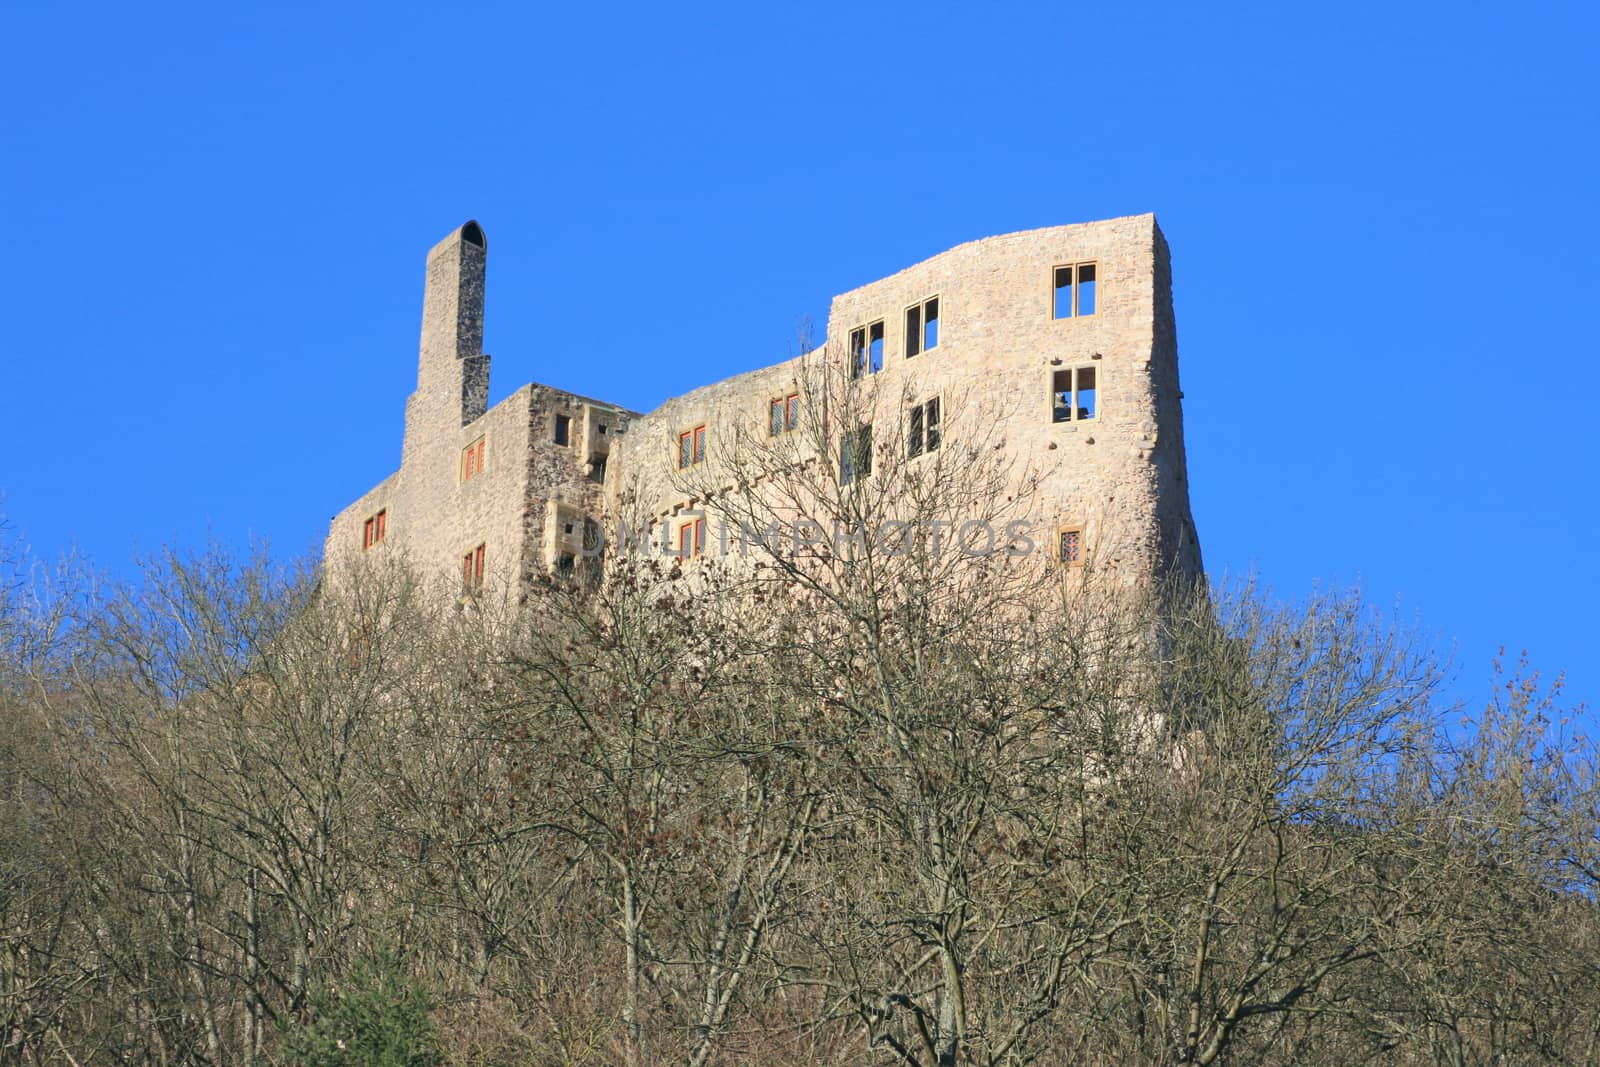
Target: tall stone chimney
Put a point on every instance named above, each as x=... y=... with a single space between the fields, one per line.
x=452 y=371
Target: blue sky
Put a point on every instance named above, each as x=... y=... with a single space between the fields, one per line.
x=1383 y=222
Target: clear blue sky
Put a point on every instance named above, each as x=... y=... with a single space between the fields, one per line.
x=1383 y=221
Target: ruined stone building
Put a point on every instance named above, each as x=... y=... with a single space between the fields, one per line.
x=1061 y=341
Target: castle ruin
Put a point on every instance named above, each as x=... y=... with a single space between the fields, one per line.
x=1061 y=341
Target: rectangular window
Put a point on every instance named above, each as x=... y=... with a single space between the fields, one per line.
x=373 y=529
x=1070 y=547
x=1072 y=395
x=691 y=447
x=472 y=570
x=866 y=349
x=855 y=455
x=925 y=435
x=783 y=415
x=472 y=460
x=563 y=430
x=922 y=326
x=359 y=645
x=1075 y=290
x=692 y=539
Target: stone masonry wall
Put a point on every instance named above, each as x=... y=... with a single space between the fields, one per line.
x=435 y=515
x=1120 y=475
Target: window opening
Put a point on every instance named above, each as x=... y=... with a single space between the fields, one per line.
x=1071 y=545
x=922 y=326
x=866 y=349
x=374 y=528
x=472 y=570
x=925 y=432
x=1075 y=290
x=783 y=415
x=855 y=455
x=1073 y=395
x=692 y=539
x=691 y=447
x=472 y=460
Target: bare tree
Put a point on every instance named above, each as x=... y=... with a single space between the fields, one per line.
x=872 y=794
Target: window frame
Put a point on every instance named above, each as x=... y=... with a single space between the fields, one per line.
x=692 y=444
x=561 y=430
x=472 y=568
x=472 y=460
x=692 y=538
x=358 y=644
x=1073 y=418
x=921 y=439
x=860 y=358
x=1076 y=268
x=861 y=455
x=1065 y=530
x=783 y=414
x=374 y=529
x=920 y=334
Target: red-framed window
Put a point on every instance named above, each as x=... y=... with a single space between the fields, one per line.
x=783 y=415
x=1071 y=546
x=692 y=539
x=691 y=447
x=373 y=529
x=472 y=570
x=359 y=644
x=472 y=460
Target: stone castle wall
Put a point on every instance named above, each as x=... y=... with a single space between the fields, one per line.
x=514 y=505
x=1119 y=476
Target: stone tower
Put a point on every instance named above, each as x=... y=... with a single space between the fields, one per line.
x=452 y=371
